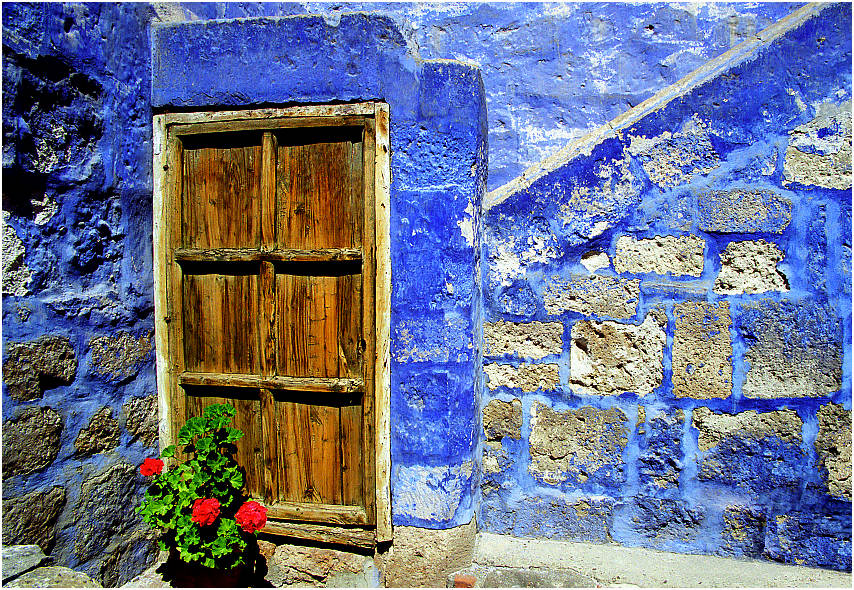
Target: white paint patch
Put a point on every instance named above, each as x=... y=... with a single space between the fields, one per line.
x=594 y=260
x=431 y=493
x=45 y=208
x=467 y=225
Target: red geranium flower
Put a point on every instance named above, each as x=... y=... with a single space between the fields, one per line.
x=151 y=467
x=205 y=511
x=251 y=516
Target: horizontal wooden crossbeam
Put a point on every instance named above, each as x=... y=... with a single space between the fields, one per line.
x=314 y=384
x=259 y=255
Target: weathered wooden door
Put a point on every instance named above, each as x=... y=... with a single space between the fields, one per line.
x=269 y=249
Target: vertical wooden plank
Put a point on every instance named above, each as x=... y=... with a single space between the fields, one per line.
x=325 y=463
x=161 y=263
x=174 y=280
x=296 y=457
x=352 y=468
x=382 y=375
x=368 y=315
x=267 y=341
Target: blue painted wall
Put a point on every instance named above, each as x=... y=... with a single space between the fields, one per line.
x=755 y=490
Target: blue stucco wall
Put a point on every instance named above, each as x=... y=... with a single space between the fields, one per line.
x=551 y=71
x=77 y=198
x=710 y=432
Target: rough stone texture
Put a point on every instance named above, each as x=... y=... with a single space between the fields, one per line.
x=517 y=577
x=577 y=445
x=660 y=459
x=795 y=349
x=595 y=260
x=102 y=433
x=106 y=509
x=750 y=267
x=124 y=556
x=30 y=368
x=118 y=357
x=527 y=376
x=609 y=358
x=16 y=275
x=819 y=152
x=714 y=428
x=743 y=211
x=663 y=523
x=432 y=494
x=533 y=340
x=702 y=350
x=140 y=418
x=744 y=531
x=758 y=452
x=424 y=557
x=833 y=446
x=593 y=295
x=18 y=559
x=678 y=255
x=805 y=538
x=53 y=577
x=582 y=519
x=502 y=419
x=31 y=518
x=31 y=441
x=295 y=565
x=673 y=159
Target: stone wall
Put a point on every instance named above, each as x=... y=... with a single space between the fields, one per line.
x=79 y=409
x=668 y=318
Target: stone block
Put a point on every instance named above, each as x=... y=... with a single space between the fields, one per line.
x=580 y=519
x=757 y=451
x=612 y=297
x=106 y=509
x=119 y=356
x=660 y=457
x=743 y=211
x=18 y=559
x=795 y=349
x=296 y=565
x=750 y=267
x=819 y=152
x=32 y=518
x=125 y=556
x=702 y=350
x=673 y=159
x=140 y=418
x=425 y=557
x=595 y=260
x=502 y=419
x=578 y=446
x=833 y=446
x=31 y=441
x=432 y=494
x=527 y=376
x=743 y=534
x=534 y=340
x=610 y=358
x=31 y=368
x=102 y=433
x=16 y=275
x=53 y=577
x=662 y=523
x=807 y=538
x=677 y=255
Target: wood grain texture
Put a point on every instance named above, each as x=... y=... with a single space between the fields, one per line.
x=357 y=537
x=307 y=385
x=270 y=114
x=261 y=255
x=330 y=513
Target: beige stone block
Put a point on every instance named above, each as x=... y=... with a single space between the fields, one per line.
x=502 y=419
x=533 y=340
x=702 y=350
x=750 y=267
x=713 y=427
x=678 y=255
x=527 y=376
x=610 y=358
x=817 y=159
x=593 y=295
x=833 y=446
x=575 y=444
x=420 y=558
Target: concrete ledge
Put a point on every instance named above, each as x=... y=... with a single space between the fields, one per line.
x=613 y=565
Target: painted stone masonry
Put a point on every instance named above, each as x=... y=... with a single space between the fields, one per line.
x=693 y=268
x=645 y=344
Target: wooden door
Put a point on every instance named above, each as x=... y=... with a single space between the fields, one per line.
x=271 y=273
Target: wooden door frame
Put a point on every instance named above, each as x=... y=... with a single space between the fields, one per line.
x=270 y=118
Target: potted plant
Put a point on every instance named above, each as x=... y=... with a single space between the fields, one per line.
x=198 y=505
